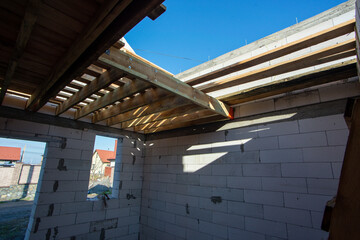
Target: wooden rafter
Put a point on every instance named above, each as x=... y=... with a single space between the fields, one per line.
x=91 y=44
x=159 y=106
x=96 y=85
x=181 y=124
x=321 y=76
x=178 y=111
x=150 y=74
x=127 y=90
x=311 y=40
x=27 y=25
x=149 y=96
x=307 y=60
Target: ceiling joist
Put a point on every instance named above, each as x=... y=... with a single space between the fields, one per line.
x=149 y=74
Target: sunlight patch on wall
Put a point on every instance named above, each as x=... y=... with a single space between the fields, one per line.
x=193 y=163
x=219 y=144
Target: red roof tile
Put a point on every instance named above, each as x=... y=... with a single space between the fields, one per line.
x=106 y=155
x=10 y=153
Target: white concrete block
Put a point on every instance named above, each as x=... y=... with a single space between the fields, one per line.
x=63 y=153
x=212 y=137
x=324 y=154
x=277 y=129
x=316 y=218
x=165 y=216
x=306 y=201
x=199 y=191
x=203 y=213
x=249 y=109
x=266 y=227
x=57 y=197
x=213 y=181
x=73 y=230
x=262 y=170
x=300 y=233
x=288 y=215
x=284 y=184
x=240 y=157
x=90 y=216
x=124 y=221
x=297 y=100
x=226 y=170
x=337 y=137
x=188 y=140
x=245 y=209
x=53 y=221
x=184 y=199
x=242 y=133
x=187 y=222
x=244 y=182
x=336 y=167
x=28 y=127
x=264 y=197
x=339 y=91
x=67 y=208
x=323 y=186
x=114 y=213
x=281 y=155
x=316 y=170
x=315 y=139
x=228 y=220
x=235 y=234
x=65 y=132
x=231 y=194
x=191 y=234
x=167 y=178
x=333 y=122
x=213 y=229
x=261 y=144
x=79 y=144
x=208 y=205
x=175 y=230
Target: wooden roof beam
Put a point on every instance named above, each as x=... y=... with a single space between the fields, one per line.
x=311 y=40
x=321 y=76
x=112 y=22
x=149 y=96
x=311 y=59
x=143 y=71
x=157 y=12
x=96 y=85
x=155 y=107
x=177 y=111
x=27 y=25
x=119 y=93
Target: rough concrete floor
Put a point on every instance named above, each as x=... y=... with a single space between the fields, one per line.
x=14 y=218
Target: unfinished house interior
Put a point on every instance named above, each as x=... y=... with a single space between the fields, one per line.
x=261 y=143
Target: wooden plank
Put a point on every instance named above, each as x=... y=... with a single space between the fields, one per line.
x=127 y=90
x=324 y=75
x=150 y=95
x=178 y=111
x=91 y=45
x=27 y=25
x=100 y=82
x=157 y=12
x=8 y=112
x=155 y=107
x=147 y=73
x=307 y=60
x=311 y=40
x=345 y=215
x=178 y=125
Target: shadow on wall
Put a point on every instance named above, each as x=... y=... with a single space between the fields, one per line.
x=256 y=182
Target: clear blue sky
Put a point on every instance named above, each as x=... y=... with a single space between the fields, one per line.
x=205 y=29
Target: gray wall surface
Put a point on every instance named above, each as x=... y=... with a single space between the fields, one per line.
x=274 y=181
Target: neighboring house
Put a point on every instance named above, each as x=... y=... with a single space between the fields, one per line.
x=9 y=155
x=102 y=159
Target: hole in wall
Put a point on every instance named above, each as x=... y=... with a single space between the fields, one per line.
x=103 y=172
x=20 y=167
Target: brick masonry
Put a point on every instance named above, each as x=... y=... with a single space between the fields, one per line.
x=273 y=181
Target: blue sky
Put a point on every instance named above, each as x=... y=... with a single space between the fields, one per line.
x=205 y=29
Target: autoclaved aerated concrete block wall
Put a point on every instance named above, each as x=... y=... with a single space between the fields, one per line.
x=273 y=180
x=60 y=209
